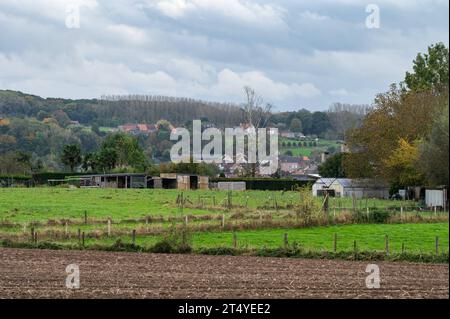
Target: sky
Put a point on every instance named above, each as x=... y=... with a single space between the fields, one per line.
x=295 y=54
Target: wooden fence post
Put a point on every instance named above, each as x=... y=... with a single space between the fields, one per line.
x=32 y=234
x=437 y=245
x=85 y=217
x=286 y=242
x=79 y=236
x=133 y=237
x=186 y=220
x=335 y=243
x=66 y=229
x=386 y=239
x=35 y=237
x=355 y=247
x=234 y=240
x=82 y=239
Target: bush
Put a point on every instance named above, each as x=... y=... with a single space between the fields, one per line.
x=219 y=251
x=121 y=246
x=177 y=240
x=163 y=247
x=374 y=216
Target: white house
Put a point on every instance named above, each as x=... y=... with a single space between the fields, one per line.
x=345 y=187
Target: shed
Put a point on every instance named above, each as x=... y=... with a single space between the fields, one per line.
x=346 y=187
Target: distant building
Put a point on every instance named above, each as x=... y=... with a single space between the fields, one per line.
x=137 y=129
x=142 y=180
x=345 y=187
x=293 y=164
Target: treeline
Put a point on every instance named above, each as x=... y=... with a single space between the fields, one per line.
x=111 y=111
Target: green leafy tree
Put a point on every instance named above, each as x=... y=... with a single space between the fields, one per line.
x=334 y=166
x=434 y=150
x=296 y=125
x=430 y=70
x=71 y=156
x=127 y=149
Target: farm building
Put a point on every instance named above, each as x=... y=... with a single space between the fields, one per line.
x=345 y=187
x=142 y=180
x=181 y=181
x=119 y=180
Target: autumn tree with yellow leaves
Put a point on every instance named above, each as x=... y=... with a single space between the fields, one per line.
x=396 y=135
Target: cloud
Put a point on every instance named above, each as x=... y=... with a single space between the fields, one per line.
x=229 y=82
x=243 y=11
x=296 y=54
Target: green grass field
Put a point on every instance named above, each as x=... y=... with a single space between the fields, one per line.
x=43 y=203
x=418 y=238
x=322 y=146
x=46 y=210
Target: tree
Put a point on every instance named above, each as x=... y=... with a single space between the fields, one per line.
x=433 y=151
x=396 y=115
x=334 y=166
x=430 y=70
x=127 y=150
x=71 y=156
x=257 y=115
x=320 y=123
x=296 y=125
x=401 y=165
x=386 y=145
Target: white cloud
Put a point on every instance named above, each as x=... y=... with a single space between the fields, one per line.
x=229 y=82
x=244 y=11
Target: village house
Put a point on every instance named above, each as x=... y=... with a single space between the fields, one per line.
x=137 y=129
x=293 y=164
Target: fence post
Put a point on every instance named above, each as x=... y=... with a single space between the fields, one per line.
x=35 y=237
x=66 y=229
x=85 y=217
x=186 y=220
x=79 y=236
x=109 y=227
x=133 y=237
x=286 y=242
x=355 y=247
x=437 y=245
x=386 y=238
x=82 y=239
x=32 y=234
x=234 y=240
x=335 y=243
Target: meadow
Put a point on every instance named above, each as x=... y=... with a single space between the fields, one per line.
x=212 y=219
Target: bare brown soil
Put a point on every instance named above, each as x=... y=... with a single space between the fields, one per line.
x=26 y=273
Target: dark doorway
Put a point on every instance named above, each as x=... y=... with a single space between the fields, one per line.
x=193 y=182
x=169 y=183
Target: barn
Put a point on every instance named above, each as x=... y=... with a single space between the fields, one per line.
x=142 y=180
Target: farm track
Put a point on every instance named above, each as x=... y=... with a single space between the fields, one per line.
x=41 y=274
